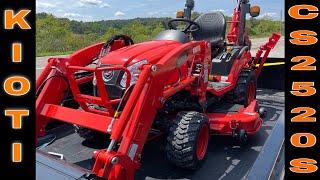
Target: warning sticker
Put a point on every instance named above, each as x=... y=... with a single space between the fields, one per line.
x=133 y=150
x=196 y=49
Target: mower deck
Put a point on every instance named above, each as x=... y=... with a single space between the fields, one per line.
x=224 y=159
x=222 y=114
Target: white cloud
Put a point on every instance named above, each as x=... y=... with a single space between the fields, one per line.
x=158 y=14
x=76 y=16
x=104 y=5
x=44 y=5
x=266 y=15
x=97 y=3
x=119 y=14
x=80 y=4
x=92 y=2
x=137 y=5
x=221 y=10
x=153 y=13
x=59 y=10
x=72 y=15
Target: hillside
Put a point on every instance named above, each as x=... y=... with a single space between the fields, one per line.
x=62 y=36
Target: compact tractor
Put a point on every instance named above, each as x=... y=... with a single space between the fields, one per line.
x=186 y=84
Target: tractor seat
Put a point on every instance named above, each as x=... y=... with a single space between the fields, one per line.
x=212 y=28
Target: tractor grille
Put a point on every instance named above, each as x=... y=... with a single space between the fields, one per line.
x=113 y=87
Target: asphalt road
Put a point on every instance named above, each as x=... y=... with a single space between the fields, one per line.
x=224 y=159
x=256 y=43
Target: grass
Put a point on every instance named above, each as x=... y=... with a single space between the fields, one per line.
x=41 y=54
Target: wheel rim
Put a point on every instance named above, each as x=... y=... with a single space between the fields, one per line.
x=251 y=92
x=202 y=142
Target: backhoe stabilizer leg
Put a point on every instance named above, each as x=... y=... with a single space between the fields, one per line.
x=273 y=40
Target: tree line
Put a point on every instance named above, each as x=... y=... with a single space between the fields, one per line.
x=63 y=36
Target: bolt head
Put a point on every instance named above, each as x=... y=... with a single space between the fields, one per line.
x=163 y=100
x=114 y=160
x=153 y=68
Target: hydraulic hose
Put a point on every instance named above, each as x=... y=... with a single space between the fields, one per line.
x=116 y=114
x=44 y=82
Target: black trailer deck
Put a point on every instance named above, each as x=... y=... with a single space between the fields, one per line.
x=224 y=159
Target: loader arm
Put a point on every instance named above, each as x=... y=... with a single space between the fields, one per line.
x=133 y=126
x=52 y=85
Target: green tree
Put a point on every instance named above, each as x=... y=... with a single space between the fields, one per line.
x=110 y=32
x=159 y=28
x=61 y=35
x=195 y=15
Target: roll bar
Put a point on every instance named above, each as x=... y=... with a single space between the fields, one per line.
x=188 y=10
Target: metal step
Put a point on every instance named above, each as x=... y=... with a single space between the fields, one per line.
x=224 y=108
x=218 y=85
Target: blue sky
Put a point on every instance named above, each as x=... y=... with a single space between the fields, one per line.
x=95 y=10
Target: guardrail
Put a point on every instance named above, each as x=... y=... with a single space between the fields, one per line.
x=270 y=161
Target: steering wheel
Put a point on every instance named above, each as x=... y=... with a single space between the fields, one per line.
x=127 y=40
x=187 y=29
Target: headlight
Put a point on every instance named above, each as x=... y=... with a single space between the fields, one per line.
x=107 y=75
x=134 y=71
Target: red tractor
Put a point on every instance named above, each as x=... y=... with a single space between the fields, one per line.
x=186 y=84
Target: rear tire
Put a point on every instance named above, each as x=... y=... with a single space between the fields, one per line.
x=188 y=140
x=245 y=90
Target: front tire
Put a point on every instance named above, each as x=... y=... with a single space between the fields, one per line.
x=89 y=134
x=188 y=140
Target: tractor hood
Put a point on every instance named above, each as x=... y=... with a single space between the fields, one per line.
x=152 y=51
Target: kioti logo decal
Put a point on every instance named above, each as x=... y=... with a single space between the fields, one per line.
x=196 y=49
